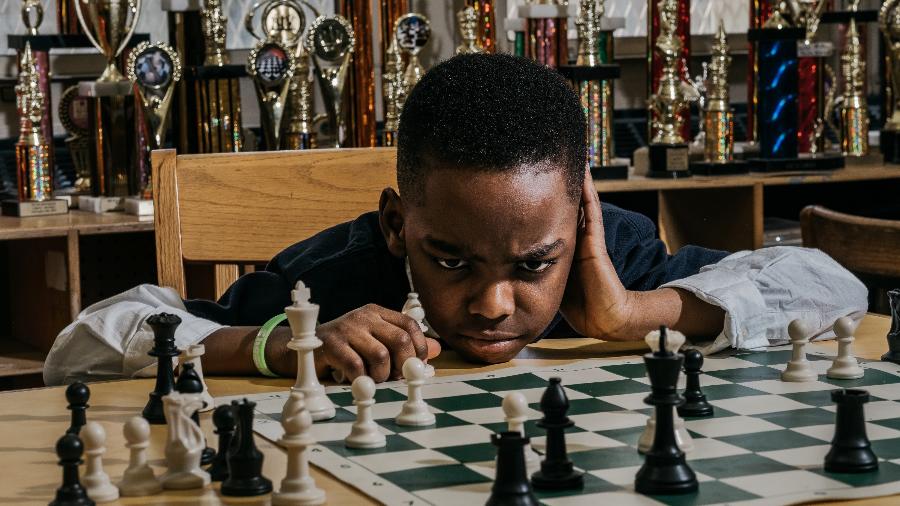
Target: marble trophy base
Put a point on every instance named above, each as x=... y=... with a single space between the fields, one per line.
x=100 y=205
x=720 y=169
x=802 y=163
x=98 y=89
x=542 y=11
x=890 y=146
x=34 y=207
x=138 y=206
x=669 y=161
x=610 y=172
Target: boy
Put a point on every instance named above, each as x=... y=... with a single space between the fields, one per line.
x=502 y=234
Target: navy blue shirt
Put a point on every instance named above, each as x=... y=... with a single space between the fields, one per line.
x=349 y=266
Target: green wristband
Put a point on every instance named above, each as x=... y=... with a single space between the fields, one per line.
x=259 y=345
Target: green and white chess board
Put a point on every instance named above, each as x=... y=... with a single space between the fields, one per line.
x=765 y=444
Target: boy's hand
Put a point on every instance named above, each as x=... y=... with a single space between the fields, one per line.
x=595 y=304
x=372 y=341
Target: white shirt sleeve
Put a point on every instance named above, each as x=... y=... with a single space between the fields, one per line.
x=111 y=338
x=762 y=291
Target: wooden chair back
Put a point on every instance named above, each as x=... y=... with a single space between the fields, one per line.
x=243 y=208
x=862 y=245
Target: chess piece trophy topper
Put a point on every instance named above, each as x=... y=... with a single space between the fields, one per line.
x=109 y=25
x=32 y=15
x=889 y=24
x=412 y=32
x=330 y=42
x=668 y=150
x=854 y=110
x=467 y=19
x=154 y=69
x=271 y=67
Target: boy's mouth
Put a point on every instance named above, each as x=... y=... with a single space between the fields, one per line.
x=490 y=347
x=490 y=335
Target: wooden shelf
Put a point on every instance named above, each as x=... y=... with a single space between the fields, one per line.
x=60 y=225
x=19 y=359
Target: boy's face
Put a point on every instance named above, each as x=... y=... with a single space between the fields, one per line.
x=489 y=253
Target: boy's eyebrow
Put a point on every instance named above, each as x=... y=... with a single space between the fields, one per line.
x=443 y=246
x=542 y=250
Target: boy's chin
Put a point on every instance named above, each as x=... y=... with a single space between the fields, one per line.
x=490 y=352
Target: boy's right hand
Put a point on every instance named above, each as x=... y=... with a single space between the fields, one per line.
x=372 y=341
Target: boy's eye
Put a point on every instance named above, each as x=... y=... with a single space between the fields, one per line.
x=451 y=263
x=536 y=265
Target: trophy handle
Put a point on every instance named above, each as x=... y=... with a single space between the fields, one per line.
x=84 y=24
x=135 y=6
x=248 y=20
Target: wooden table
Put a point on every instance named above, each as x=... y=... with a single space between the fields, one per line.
x=32 y=420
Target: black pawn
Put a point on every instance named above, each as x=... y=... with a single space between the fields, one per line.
x=223 y=419
x=163 y=325
x=893 y=336
x=695 y=403
x=511 y=487
x=851 y=451
x=71 y=493
x=189 y=383
x=78 y=395
x=244 y=459
x=665 y=470
x=557 y=471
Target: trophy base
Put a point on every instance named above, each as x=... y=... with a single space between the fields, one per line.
x=30 y=208
x=542 y=11
x=100 y=205
x=720 y=169
x=138 y=206
x=609 y=172
x=669 y=161
x=890 y=146
x=803 y=163
x=104 y=89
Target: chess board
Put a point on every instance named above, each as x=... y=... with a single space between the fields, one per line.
x=765 y=444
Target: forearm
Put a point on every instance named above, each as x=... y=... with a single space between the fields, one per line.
x=676 y=309
x=229 y=352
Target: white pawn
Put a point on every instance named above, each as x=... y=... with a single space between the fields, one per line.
x=674 y=341
x=515 y=407
x=414 y=412
x=799 y=369
x=845 y=365
x=297 y=488
x=413 y=308
x=365 y=432
x=96 y=481
x=193 y=354
x=138 y=479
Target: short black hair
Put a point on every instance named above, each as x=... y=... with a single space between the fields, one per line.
x=491 y=112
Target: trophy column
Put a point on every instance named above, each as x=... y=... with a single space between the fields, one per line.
x=486 y=36
x=361 y=89
x=545 y=33
x=518 y=27
x=656 y=62
x=760 y=10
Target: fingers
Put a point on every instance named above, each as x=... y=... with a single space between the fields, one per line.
x=434 y=348
x=411 y=327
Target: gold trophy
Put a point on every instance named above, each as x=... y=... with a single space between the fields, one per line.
x=73 y=113
x=394 y=93
x=153 y=69
x=215 y=26
x=668 y=150
x=34 y=173
x=271 y=67
x=109 y=25
x=32 y=15
x=467 y=19
x=854 y=113
x=889 y=23
x=330 y=42
x=412 y=32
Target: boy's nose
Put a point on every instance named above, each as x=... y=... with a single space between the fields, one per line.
x=495 y=302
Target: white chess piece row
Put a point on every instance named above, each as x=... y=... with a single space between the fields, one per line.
x=845 y=365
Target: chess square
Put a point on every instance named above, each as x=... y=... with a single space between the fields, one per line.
x=592 y=485
x=533 y=395
x=449 y=436
x=888 y=391
x=447 y=389
x=585 y=406
x=592 y=375
x=507 y=383
x=393 y=443
x=709 y=448
x=388 y=410
x=469 y=493
x=471 y=452
x=788 y=387
x=747 y=374
x=441 y=420
x=531 y=428
x=490 y=415
x=705 y=381
x=771 y=440
x=807 y=456
x=879 y=410
x=729 y=426
x=400 y=461
x=628 y=401
x=714 y=363
x=628 y=370
x=609 y=420
x=628 y=435
x=757 y=404
x=336 y=431
x=887 y=472
x=612 y=388
x=873 y=377
x=382 y=395
x=784 y=482
x=737 y=465
x=617 y=498
x=799 y=417
x=606 y=458
x=466 y=402
x=579 y=442
x=435 y=477
x=826 y=432
x=728 y=391
x=819 y=398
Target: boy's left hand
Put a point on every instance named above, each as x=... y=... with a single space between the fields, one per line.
x=596 y=303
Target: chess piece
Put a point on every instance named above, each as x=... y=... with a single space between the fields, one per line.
x=515 y=407
x=184 y=444
x=695 y=403
x=302 y=315
x=845 y=365
x=893 y=336
x=665 y=470
x=298 y=487
x=96 y=481
x=163 y=325
x=557 y=471
x=799 y=369
x=414 y=412
x=224 y=420
x=511 y=485
x=674 y=341
x=78 y=395
x=138 y=479
x=245 y=461
x=189 y=383
x=193 y=354
x=851 y=451
x=413 y=308
x=365 y=432
x=70 y=493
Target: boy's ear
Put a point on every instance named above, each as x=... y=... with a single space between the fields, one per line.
x=391 y=220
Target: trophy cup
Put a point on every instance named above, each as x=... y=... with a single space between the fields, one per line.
x=109 y=25
x=32 y=15
x=467 y=19
x=73 y=111
x=394 y=93
x=34 y=174
x=593 y=82
x=271 y=67
x=668 y=151
x=153 y=69
x=545 y=31
x=718 y=118
x=330 y=42
x=854 y=112
x=675 y=14
x=889 y=24
x=412 y=32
